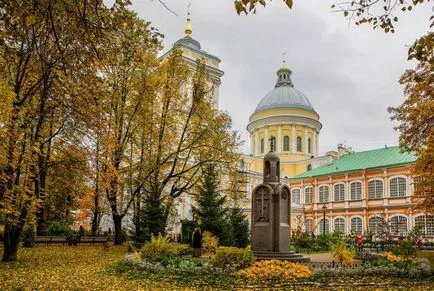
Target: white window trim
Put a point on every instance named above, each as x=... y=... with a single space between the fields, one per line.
x=389 y=180
x=399 y=214
x=356 y=216
x=362 y=194
x=300 y=193
x=384 y=187
x=311 y=194
x=319 y=186
x=345 y=222
x=338 y=183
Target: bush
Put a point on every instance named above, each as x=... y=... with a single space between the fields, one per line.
x=274 y=270
x=28 y=237
x=2 y=232
x=210 y=242
x=232 y=257
x=59 y=228
x=344 y=255
x=158 y=247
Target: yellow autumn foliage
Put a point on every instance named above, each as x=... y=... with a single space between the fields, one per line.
x=274 y=270
x=393 y=258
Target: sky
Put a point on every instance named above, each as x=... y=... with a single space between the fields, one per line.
x=349 y=73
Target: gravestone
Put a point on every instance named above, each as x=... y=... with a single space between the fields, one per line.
x=271 y=213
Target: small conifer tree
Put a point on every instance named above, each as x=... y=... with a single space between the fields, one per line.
x=209 y=210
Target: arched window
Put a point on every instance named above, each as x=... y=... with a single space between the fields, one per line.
x=242 y=165
x=308 y=226
x=340 y=224
x=309 y=146
x=262 y=145
x=356 y=191
x=323 y=194
x=286 y=143
x=272 y=143
x=375 y=189
x=425 y=224
x=295 y=196
x=375 y=224
x=356 y=225
x=299 y=148
x=398 y=225
x=339 y=190
x=398 y=187
x=309 y=167
x=308 y=195
x=321 y=226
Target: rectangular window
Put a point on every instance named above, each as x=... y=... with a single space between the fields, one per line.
x=323 y=194
x=308 y=195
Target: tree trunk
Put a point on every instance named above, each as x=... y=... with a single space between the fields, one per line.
x=95 y=219
x=117 y=221
x=11 y=241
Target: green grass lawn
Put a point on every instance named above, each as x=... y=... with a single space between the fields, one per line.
x=93 y=268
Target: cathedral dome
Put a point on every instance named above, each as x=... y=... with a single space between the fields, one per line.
x=284 y=95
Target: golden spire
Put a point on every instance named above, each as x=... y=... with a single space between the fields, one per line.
x=188 y=30
x=284 y=66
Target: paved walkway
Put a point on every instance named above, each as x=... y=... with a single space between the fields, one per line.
x=320 y=257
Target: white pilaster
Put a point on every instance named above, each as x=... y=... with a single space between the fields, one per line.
x=279 y=138
x=306 y=150
x=293 y=139
x=317 y=142
x=266 y=141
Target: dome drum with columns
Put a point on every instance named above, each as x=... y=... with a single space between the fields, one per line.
x=286 y=115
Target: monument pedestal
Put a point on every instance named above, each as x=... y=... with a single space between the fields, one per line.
x=285 y=256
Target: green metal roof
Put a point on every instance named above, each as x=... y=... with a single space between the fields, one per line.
x=385 y=157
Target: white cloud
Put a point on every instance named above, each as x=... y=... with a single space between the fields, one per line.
x=349 y=73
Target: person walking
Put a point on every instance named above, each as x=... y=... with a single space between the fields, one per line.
x=359 y=240
x=197 y=242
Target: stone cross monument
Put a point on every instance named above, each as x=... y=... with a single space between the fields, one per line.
x=271 y=213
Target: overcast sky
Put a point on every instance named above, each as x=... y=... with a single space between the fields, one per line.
x=349 y=73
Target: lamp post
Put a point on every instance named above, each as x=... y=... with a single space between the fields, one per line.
x=324 y=209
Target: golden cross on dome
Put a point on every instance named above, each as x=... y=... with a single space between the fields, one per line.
x=284 y=66
x=188 y=29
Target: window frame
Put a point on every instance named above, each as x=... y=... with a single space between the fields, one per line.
x=342 y=186
x=351 y=190
x=375 y=195
x=305 y=195
x=397 y=178
x=320 y=225
x=361 y=224
x=297 y=197
x=400 y=223
x=299 y=144
x=262 y=146
x=377 y=228
x=286 y=143
x=321 y=195
x=334 y=224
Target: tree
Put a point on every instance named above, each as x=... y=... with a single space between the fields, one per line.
x=41 y=43
x=416 y=118
x=239 y=227
x=128 y=70
x=210 y=211
x=378 y=13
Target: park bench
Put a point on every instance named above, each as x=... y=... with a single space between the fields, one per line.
x=51 y=240
x=93 y=240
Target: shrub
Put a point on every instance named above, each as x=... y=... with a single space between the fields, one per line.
x=393 y=258
x=232 y=257
x=159 y=246
x=344 y=255
x=210 y=242
x=406 y=249
x=28 y=237
x=2 y=232
x=274 y=270
x=61 y=227
x=183 y=249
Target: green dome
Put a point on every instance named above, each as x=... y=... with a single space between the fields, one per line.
x=284 y=95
